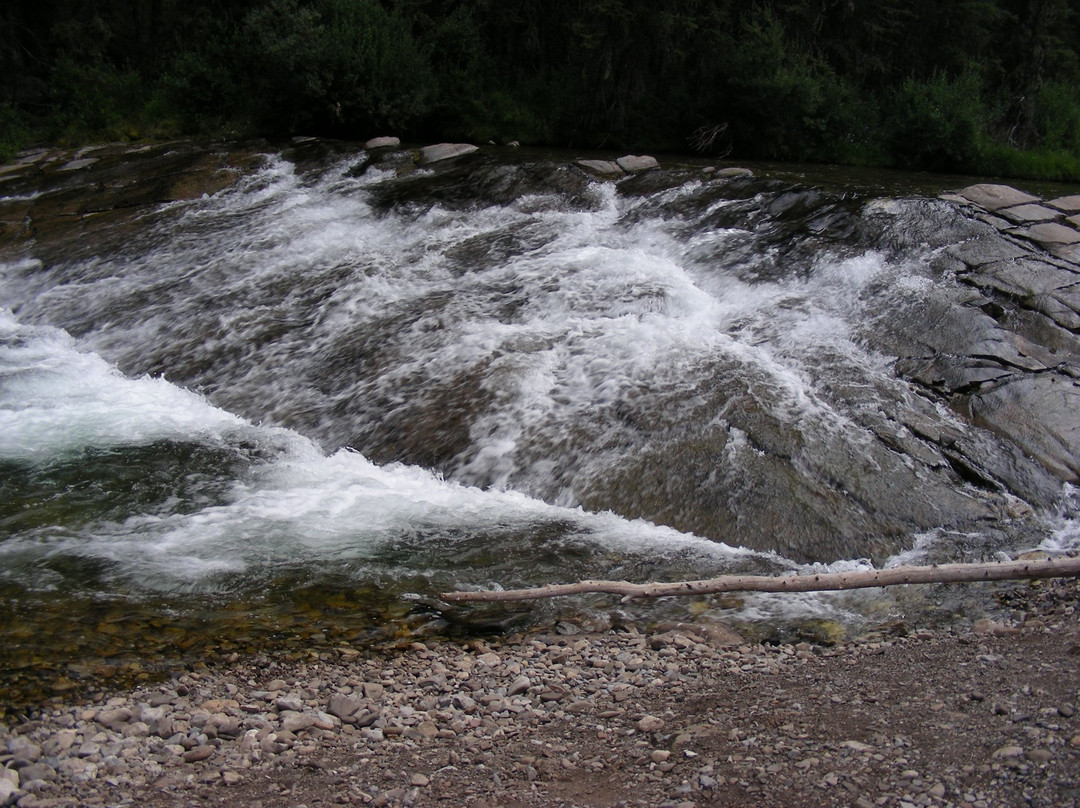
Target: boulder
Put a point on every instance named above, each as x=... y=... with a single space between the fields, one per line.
x=382 y=143
x=995 y=197
x=444 y=151
x=601 y=168
x=734 y=172
x=635 y=164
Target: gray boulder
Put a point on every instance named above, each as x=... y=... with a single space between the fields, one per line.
x=382 y=143
x=601 y=168
x=734 y=172
x=444 y=151
x=635 y=164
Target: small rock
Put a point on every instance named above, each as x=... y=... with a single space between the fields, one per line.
x=1040 y=755
x=519 y=685
x=1009 y=752
x=136 y=729
x=198 y=753
x=290 y=703
x=985 y=626
x=114 y=719
x=650 y=723
x=660 y=755
x=385 y=142
x=37 y=771
x=344 y=707
x=231 y=778
x=23 y=751
x=217 y=706
x=858 y=746
x=295 y=722
x=419 y=780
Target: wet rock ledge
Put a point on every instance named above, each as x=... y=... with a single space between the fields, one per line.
x=1006 y=353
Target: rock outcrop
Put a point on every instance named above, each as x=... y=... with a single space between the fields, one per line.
x=1012 y=361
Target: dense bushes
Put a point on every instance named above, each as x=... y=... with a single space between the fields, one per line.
x=987 y=86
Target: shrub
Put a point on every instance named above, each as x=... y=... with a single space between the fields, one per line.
x=938 y=124
x=336 y=65
x=14 y=132
x=1057 y=117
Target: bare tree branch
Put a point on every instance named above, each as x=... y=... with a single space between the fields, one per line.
x=944 y=573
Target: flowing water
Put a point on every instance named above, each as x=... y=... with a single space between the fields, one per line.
x=299 y=408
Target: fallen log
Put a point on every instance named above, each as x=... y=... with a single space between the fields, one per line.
x=861 y=579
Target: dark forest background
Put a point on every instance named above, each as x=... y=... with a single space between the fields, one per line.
x=975 y=86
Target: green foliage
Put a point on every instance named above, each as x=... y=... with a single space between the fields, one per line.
x=938 y=124
x=971 y=85
x=1057 y=117
x=335 y=65
x=1001 y=160
x=789 y=105
x=94 y=99
x=13 y=132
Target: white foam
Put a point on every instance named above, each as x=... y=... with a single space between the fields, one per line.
x=57 y=400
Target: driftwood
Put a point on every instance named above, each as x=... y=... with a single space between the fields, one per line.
x=943 y=573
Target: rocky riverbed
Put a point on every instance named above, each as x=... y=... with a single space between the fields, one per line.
x=982 y=714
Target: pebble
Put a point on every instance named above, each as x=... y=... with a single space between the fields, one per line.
x=230 y=729
x=1010 y=751
x=650 y=723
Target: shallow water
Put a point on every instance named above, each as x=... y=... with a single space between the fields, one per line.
x=303 y=406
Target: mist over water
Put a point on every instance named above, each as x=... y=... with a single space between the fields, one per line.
x=499 y=374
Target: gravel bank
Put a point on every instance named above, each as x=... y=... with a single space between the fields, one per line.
x=980 y=715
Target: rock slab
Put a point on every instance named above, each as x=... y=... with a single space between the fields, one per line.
x=995 y=197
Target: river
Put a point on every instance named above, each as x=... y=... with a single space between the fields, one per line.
x=295 y=409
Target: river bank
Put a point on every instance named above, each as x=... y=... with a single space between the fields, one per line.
x=980 y=714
